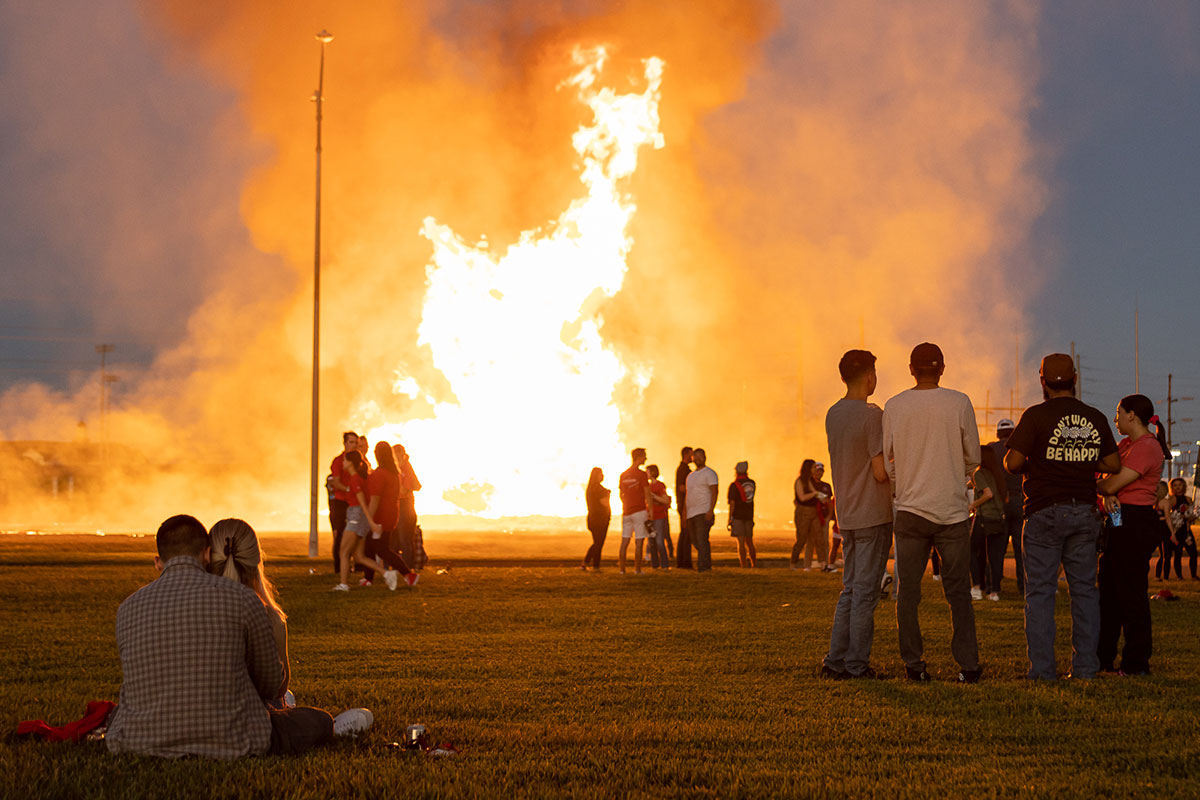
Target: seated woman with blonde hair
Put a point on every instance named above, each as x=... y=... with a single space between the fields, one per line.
x=237 y=555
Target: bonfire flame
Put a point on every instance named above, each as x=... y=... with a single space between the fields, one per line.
x=518 y=339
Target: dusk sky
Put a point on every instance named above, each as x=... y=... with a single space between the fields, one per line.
x=108 y=134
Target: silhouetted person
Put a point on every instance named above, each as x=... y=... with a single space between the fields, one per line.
x=741 y=514
x=635 y=509
x=701 y=499
x=599 y=515
x=341 y=496
x=683 y=547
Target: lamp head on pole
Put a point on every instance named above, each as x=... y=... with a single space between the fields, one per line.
x=324 y=37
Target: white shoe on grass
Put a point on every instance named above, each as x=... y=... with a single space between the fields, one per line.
x=352 y=722
x=392 y=579
x=976 y=593
x=994 y=597
x=341 y=587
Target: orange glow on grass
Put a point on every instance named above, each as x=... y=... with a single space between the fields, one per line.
x=518 y=337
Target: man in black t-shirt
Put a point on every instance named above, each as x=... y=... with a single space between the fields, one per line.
x=1059 y=445
x=683 y=547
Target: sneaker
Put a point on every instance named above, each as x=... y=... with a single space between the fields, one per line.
x=352 y=722
x=970 y=675
x=918 y=675
x=392 y=579
x=341 y=587
x=831 y=673
x=886 y=583
x=411 y=579
x=994 y=597
x=829 y=568
x=363 y=582
x=937 y=578
x=976 y=593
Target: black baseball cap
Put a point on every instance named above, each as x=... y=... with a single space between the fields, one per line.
x=927 y=355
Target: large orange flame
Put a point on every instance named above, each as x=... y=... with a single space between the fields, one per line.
x=518 y=335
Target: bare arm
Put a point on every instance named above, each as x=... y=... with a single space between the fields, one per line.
x=1110 y=464
x=369 y=510
x=1014 y=462
x=801 y=494
x=879 y=469
x=712 y=505
x=980 y=499
x=1115 y=483
x=279 y=631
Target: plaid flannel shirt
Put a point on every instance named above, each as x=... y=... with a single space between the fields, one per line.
x=198 y=661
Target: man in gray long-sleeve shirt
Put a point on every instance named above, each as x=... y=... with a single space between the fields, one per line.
x=199 y=663
x=931 y=445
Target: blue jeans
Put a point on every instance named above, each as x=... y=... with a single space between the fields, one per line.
x=658 y=545
x=866 y=555
x=1062 y=534
x=699 y=526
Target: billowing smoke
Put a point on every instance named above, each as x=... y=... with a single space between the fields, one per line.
x=834 y=175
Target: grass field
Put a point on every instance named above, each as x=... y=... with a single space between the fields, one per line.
x=555 y=682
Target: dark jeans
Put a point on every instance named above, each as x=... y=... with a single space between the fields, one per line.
x=1124 y=605
x=337 y=521
x=1065 y=535
x=854 y=616
x=915 y=537
x=1187 y=541
x=989 y=542
x=296 y=730
x=699 y=526
x=683 y=548
x=599 y=533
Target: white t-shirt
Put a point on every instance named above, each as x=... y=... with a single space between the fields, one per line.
x=931 y=445
x=699 y=495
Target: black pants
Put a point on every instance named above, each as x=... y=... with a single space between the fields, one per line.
x=683 y=545
x=295 y=730
x=337 y=521
x=989 y=541
x=1186 y=542
x=599 y=533
x=1014 y=520
x=1124 y=605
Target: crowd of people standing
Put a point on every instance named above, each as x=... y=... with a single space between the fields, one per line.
x=913 y=478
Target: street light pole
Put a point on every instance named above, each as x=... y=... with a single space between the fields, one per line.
x=324 y=37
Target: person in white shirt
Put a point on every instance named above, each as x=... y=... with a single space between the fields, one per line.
x=930 y=447
x=701 y=499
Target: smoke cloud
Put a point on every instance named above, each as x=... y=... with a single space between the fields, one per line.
x=834 y=176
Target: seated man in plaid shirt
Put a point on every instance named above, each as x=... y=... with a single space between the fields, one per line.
x=200 y=664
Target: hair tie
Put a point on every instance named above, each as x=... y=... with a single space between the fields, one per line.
x=229 y=548
x=1155 y=420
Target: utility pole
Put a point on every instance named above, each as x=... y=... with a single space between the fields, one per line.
x=1171 y=401
x=1076 y=360
x=324 y=37
x=1079 y=376
x=1017 y=371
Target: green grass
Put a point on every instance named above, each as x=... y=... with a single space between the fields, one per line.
x=558 y=683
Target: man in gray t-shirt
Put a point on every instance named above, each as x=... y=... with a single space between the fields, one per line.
x=854 y=428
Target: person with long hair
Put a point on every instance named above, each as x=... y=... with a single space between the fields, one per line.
x=1183 y=514
x=237 y=555
x=1168 y=547
x=383 y=506
x=806 y=496
x=599 y=515
x=1129 y=497
x=989 y=533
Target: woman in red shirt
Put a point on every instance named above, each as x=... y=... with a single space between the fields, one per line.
x=1129 y=497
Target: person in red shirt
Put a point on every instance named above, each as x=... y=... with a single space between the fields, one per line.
x=361 y=521
x=660 y=503
x=634 y=486
x=341 y=499
x=1129 y=497
x=383 y=506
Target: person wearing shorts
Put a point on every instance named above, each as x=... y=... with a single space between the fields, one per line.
x=741 y=514
x=634 y=486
